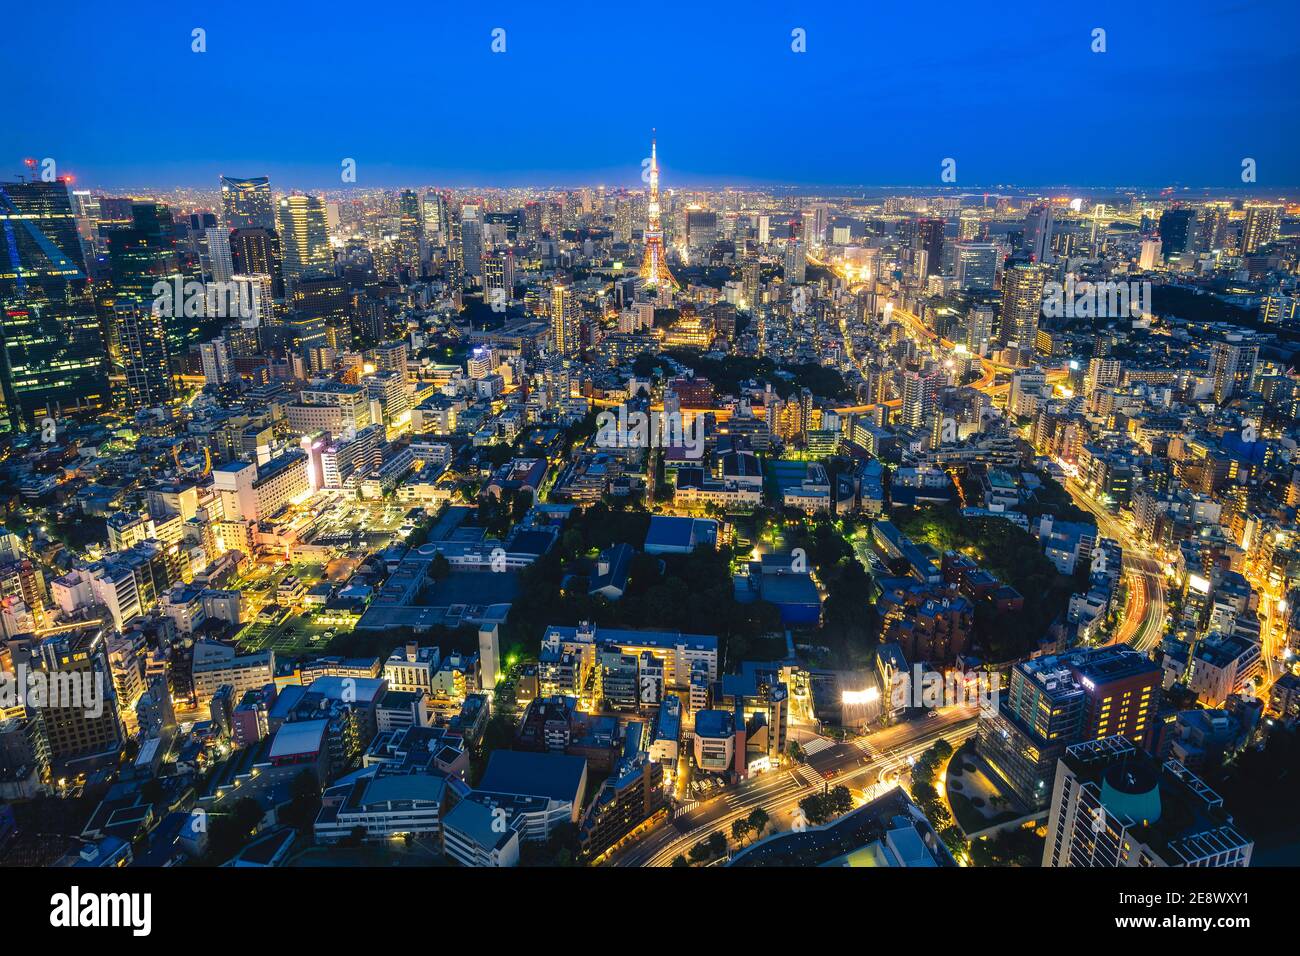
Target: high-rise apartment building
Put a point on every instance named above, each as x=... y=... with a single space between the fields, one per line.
x=1262 y=226
x=1113 y=805
x=1022 y=302
x=565 y=319
x=1232 y=367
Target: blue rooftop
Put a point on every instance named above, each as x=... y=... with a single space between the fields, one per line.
x=558 y=776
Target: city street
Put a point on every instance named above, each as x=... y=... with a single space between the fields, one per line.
x=860 y=763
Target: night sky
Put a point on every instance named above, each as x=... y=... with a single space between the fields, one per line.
x=885 y=92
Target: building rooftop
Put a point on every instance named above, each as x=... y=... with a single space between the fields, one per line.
x=557 y=776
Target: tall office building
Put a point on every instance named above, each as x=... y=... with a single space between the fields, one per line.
x=471 y=240
x=929 y=239
x=1232 y=367
x=1177 y=230
x=52 y=357
x=41 y=251
x=701 y=233
x=1263 y=224
x=1038 y=232
x=1053 y=702
x=85 y=207
x=410 y=229
x=256 y=251
x=305 y=236
x=565 y=319
x=140 y=256
x=976 y=265
x=1022 y=302
x=1113 y=805
x=434 y=214
x=246 y=203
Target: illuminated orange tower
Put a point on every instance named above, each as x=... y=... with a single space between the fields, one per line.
x=654 y=265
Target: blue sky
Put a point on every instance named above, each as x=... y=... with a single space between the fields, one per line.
x=885 y=92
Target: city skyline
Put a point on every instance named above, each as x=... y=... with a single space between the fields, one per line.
x=599 y=438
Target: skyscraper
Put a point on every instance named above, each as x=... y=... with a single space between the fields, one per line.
x=471 y=239
x=564 y=319
x=796 y=262
x=976 y=265
x=979 y=330
x=499 y=277
x=1038 y=233
x=1263 y=223
x=434 y=214
x=1177 y=230
x=220 y=262
x=1022 y=302
x=701 y=232
x=929 y=237
x=52 y=357
x=256 y=251
x=305 y=236
x=142 y=354
x=246 y=203
x=142 y=255
x=919 y=392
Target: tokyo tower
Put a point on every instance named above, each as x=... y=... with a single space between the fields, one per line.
x=654 y=266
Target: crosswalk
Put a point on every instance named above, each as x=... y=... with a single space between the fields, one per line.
x=816 y=746
x=809 y=775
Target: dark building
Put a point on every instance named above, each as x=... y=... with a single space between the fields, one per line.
x=53 y=357
x=929 y=238
x=1177 y=231
x=256 y=251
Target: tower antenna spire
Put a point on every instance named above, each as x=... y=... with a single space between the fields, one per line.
x=654 y=265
